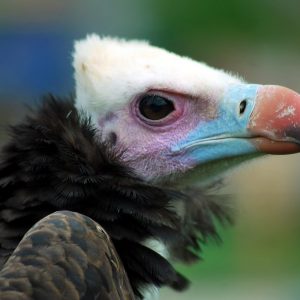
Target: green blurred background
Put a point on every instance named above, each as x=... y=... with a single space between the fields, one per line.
x=258 y=39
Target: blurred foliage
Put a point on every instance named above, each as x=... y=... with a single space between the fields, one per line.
x=258 y=20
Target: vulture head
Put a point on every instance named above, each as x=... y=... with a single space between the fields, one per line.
x=168 y=115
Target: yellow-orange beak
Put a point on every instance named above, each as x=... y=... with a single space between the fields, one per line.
x=275 y=120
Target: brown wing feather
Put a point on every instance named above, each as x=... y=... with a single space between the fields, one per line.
x=66 y=255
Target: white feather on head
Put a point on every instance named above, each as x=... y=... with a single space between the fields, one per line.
x=110 y=72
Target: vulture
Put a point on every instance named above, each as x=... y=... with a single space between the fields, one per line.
x=101 y=192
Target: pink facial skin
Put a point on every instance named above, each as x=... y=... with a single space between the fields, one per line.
x=271 y=125
x=146 y=144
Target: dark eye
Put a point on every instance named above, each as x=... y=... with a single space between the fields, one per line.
x=154 y=107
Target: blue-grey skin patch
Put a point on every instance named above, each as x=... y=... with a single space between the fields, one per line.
x=224 y=136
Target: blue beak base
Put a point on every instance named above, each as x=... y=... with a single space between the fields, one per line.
x=226 y=135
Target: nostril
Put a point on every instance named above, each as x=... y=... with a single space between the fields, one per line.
x=243 y=106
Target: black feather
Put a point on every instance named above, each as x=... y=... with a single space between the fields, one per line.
x=55 y=161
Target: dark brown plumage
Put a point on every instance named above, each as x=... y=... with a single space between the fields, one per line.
x=54 y=161
x=78 y=257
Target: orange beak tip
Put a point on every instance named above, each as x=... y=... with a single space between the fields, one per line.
x=275 y=120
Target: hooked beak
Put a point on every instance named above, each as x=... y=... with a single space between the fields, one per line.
x=275 y=120
x=251 y=119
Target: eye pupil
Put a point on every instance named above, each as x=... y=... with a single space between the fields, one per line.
x=154 y=107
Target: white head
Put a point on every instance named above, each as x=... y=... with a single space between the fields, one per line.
x=160 y=109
